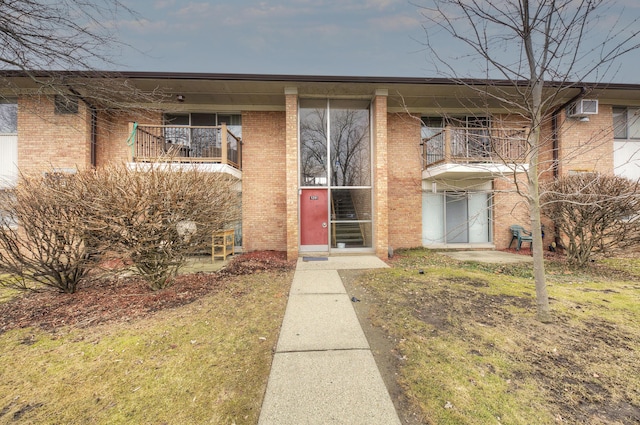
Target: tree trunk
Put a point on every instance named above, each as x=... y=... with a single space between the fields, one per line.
x=542 y=297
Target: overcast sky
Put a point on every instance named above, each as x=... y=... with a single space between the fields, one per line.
x=315 y=37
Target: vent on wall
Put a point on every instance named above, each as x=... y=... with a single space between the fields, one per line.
x=582 y=108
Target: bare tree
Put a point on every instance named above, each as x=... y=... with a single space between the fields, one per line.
x=61 y=46
x=595 y=213
x=542 y=49
x=60 y=35
x=42 y=238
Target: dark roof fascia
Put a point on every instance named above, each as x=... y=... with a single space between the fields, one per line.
x=290 y=78
x=232 y=77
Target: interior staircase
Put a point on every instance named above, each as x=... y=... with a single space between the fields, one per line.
x=343 y=208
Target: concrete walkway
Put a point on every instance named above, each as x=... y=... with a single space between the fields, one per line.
x=323 y=371
x=493 y=257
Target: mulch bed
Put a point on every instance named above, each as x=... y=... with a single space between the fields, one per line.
x=123 y=299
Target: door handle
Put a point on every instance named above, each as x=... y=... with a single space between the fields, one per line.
x=324 y=225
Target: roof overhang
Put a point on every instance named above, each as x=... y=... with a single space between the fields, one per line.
x=246 y=92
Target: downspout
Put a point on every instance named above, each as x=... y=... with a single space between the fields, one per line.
x=93 y=143
x=94 y=136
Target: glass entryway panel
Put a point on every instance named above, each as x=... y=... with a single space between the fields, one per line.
x=479 y=207
x=313 y=143
x=351 y=218
x=335 y=153
x=433 y=218
x=350 y=143
x=456 y=217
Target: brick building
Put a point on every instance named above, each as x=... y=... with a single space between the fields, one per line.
x=334 y=164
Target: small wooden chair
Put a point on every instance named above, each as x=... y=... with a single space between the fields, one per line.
x=519 y=234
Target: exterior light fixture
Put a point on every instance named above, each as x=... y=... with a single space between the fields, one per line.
x=180 y=98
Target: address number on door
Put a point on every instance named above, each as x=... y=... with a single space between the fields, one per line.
x=313 y=197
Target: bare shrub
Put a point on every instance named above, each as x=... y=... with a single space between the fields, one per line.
x=42 y=239
x=155 y=217
x=595 y=214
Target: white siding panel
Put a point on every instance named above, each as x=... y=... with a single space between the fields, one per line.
x=626 y=159
x=8 y=160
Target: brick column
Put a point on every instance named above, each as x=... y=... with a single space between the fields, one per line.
x=380 y=174
x=291 y=164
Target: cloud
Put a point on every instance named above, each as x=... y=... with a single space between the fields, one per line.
x=195 y=11
x=144 y=26
x=380 y=4
x=395 y=23
x=163 y=4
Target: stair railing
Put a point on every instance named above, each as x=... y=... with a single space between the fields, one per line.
x=333 y=223
x=360 y=223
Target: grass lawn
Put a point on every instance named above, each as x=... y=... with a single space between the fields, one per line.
x=206 y=361
x=465 y=347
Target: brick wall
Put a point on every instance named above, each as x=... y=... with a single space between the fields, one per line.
x=508 y=208
x=587 y=146
x=582 y=146
x=405 y=181
x=114 y=130
x=380 y=176
x=291 y=166
x=48 y=140
x=264 y=182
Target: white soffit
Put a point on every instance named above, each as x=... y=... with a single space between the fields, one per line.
x=454 y=171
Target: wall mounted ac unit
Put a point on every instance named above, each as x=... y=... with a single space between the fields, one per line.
x=582 y=108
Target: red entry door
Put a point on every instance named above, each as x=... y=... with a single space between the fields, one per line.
x=314 y=223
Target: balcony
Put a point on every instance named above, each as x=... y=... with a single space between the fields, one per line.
x=186 y=144
x=473 y=152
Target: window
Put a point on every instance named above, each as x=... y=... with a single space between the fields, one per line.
x=469 y=137
x=472 y=139
x=8 y=116
x=65 y=105
x=8 y=142
x=233 y=121
x=195 y=134
x=626 y=123
x=626 y=146
x=432 y=134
